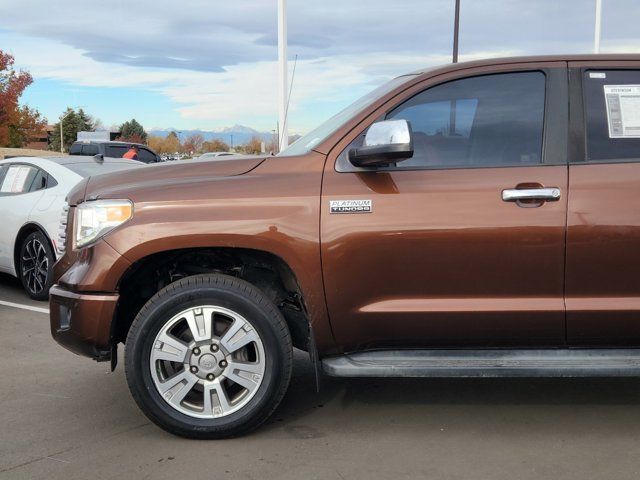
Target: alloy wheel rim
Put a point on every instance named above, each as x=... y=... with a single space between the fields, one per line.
x=207 y=362
x=35 y=266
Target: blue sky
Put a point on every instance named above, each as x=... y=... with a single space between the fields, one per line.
x=208 y=63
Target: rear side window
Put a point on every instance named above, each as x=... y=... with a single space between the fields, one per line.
x=39 y=182
x=76 y=149
x=485 y=121
x=18 y=179
x=89 y=150
x=612 y=114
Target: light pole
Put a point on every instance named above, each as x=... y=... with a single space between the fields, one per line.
x=456 y=31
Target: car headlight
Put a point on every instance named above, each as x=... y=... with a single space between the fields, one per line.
x=95 y=218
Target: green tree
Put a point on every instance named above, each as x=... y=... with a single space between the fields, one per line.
x=72 y=123
x=132 y=131
x=86 y=122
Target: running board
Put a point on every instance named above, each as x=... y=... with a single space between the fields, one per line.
x=487 y=363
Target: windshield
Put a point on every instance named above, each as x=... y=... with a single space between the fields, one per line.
x=310 y=140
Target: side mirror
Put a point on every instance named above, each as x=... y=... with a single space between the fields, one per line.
x=386 y=142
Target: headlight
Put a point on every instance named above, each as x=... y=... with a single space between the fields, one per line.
x=94 y=219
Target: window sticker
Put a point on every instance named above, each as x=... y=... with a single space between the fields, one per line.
x=623 y=110
x=15 y=179
x=597 y=75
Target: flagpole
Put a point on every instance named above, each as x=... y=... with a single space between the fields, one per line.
x=283 y=75
x=598 y=26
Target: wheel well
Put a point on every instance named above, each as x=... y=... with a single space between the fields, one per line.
x=24 y=232
x=264 y=270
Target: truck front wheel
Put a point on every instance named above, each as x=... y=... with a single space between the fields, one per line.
x=208 y=356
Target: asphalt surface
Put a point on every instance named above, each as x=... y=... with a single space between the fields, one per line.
x=66 y=417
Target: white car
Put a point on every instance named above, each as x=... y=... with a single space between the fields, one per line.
x=32 y=203
x=217 y=156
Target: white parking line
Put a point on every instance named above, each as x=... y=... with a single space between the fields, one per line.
x=24 y=307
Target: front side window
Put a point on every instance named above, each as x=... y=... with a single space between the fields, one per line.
x=612 y=114
x=146 y=156
x=486 y=121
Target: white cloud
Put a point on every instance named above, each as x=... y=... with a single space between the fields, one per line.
x=215 y=60
x=242 y=93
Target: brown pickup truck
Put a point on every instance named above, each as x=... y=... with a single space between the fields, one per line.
x=477 y=219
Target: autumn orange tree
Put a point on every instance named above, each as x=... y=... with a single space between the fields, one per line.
x=193 y=143
x=169 y=144
x=215 y=145
x=17 y=123
x=254 y=146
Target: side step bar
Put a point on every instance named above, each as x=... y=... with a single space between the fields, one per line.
x=563 y=362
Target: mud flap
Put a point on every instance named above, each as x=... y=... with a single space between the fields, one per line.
x=114 y=356
x=313 y=356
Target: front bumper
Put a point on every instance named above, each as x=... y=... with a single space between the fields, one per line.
x=81 y=322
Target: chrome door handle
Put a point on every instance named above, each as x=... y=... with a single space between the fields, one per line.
x=515 y=194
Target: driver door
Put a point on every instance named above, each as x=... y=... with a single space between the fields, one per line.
x=439 y=258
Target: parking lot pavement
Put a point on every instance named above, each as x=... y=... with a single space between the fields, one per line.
x=11 y=291
x=64 y=417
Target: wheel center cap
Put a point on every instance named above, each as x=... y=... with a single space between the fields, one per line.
x=207 y=362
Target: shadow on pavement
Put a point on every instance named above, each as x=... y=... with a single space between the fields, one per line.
x=9 y=281
x=422 y=395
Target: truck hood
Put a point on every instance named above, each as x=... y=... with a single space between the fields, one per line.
x=124 y=184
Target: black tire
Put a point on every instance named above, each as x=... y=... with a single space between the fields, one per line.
x=224 y=291
x=35 y=265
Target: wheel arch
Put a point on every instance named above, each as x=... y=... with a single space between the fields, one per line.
x=26 y=230
x=265 y=270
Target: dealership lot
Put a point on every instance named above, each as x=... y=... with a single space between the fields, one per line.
x=65 y=417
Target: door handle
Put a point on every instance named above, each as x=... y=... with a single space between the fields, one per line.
x=517 y=194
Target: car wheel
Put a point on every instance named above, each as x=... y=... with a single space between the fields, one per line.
x=208 y=356
x=36 y=266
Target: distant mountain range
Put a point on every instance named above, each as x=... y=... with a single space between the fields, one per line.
x=240 y=133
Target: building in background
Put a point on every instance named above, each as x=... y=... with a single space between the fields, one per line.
x=42 y=139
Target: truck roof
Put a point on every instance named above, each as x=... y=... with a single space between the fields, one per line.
x=627 y=57
x=111 y=142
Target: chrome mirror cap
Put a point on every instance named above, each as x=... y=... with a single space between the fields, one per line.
x=386 y=142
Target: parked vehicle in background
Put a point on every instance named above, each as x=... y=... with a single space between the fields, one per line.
x=171 y=157
x=112 y=150
x=217 y=155
x=32 y=202
x=479 y=219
